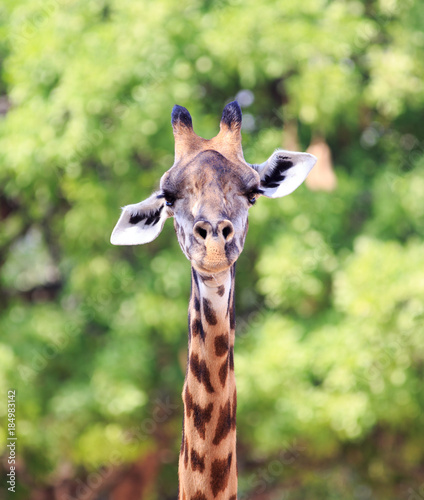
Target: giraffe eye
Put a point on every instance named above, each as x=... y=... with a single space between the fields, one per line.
x=169 y=199
x=252 y=195
x=251 y=198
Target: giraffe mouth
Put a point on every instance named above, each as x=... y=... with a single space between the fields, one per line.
x=213 y=262
x=214 y=257
x=209 y=268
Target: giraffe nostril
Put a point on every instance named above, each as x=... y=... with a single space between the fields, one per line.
x=224 y=230
x=201 y=232
x=227 y=230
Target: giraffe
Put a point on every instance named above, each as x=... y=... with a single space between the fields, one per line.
x=208 y=191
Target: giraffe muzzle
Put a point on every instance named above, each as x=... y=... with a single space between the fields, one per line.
x=222 y=232
x=214 y=240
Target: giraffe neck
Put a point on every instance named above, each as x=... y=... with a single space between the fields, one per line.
x=207 y=463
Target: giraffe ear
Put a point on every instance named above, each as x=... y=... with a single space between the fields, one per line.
x=140 y=223
x=283 y=172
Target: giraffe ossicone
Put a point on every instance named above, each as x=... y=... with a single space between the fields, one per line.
x=208 y=191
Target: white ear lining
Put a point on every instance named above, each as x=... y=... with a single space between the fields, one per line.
x=279 y=178
x=140 y=223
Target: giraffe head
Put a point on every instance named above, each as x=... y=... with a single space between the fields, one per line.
x=209 y=191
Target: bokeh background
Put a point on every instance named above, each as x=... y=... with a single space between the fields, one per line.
x=330 y=286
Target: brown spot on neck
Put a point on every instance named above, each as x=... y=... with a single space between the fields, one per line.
x=221 y=345
x=226 y=420
x=197 y=329
x=201 y=416
x=227 y=364
x=223 y=372
x=201 y=372
x=198 y=496
x=197 y=461
x=209 y=312
x=220 y=473
x=186 y=453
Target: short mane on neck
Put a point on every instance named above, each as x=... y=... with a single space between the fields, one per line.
x=207 y=464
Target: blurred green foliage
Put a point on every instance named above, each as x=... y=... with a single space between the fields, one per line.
x=329 y=358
